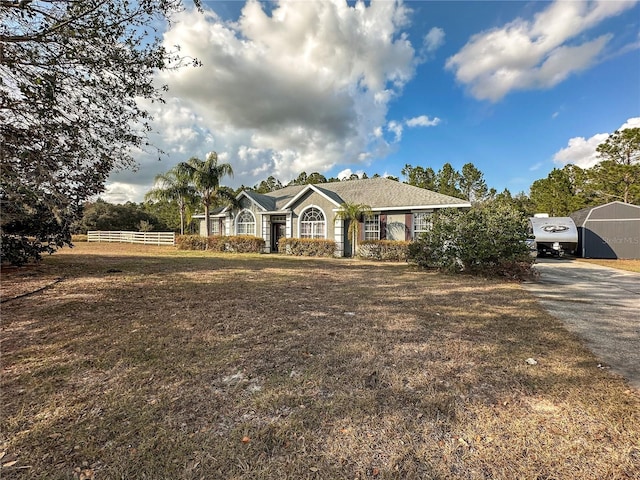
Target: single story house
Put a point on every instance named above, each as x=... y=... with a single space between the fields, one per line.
x=399 y=212
x=611 y=230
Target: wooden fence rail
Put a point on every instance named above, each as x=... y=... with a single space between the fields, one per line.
x=146 y=238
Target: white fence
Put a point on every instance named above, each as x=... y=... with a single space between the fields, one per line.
x=147 y=238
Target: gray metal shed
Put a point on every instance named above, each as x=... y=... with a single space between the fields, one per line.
x=608 y=231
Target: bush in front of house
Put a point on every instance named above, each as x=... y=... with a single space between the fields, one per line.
x=307 y=247
x=386 y=250
x=191 y=242
x=218 y=243
x=244 y=244
x=486 y=240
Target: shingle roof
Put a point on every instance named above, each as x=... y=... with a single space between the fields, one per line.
x=378 y=193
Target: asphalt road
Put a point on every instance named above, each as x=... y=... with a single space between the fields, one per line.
x=600 y=304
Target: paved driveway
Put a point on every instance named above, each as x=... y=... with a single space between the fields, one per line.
x=601 y=304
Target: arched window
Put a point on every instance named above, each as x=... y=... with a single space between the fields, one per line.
x=312 y=224
x=245 y=223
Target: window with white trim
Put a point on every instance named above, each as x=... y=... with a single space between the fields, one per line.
x=372 y=227
x=246 y=223
x=214 y=226
x=312 y=223
x=421 y=223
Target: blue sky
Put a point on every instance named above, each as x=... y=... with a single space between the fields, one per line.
x=516 y=88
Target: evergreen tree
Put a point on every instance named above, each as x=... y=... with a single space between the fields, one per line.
x=472 y=184
x=447 y=181
x=617 y=176
x=420 y=177
x=563 y=191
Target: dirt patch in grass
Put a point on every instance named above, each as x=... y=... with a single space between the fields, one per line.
x=629 y=265
x=145 y=362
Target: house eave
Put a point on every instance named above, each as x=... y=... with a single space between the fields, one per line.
x=200 y=216
x=417 y=208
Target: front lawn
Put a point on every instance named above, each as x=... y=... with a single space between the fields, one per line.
x=629 y=265
x=147 y=362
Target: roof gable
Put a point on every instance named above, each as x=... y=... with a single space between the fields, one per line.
x=309 y=188
x=263 y=202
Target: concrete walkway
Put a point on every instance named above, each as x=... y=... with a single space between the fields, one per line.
x=600 y=304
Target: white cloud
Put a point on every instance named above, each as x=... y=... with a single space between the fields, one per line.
x=422 y=121
x=117 y=192
x=581 y=151
x=534 y=54
x=536 y=166
x=298 y=86
x=433 y=40
x=347 y=172
x=396 y=128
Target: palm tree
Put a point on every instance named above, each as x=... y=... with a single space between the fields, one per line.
x=353 y=213
x=173 y=186
x=205 y=177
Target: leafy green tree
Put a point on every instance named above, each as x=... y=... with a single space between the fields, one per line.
x=101 y=215
x=520 y=201
x=174 y=186
x=311 y=179
x=489 y=239
x=472 y=184
x=420 y=177
x=168 y=213
x=447 y=180
x=353 y=213
x=205 y=176
x=71 y=75
x=300 y=180
x=562 y=192
x=316 y=178
x=617 y=176
x=271 y=184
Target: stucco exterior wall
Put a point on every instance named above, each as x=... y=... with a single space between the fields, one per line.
x=395 y=227
x=221 y=226
x=318 y=201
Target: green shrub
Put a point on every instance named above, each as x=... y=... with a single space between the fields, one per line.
x=78 y=238
x=308 y=247
x=217 y=243
x=244 y=244
x=386 y=250
x=487 y=240
x=191 y=242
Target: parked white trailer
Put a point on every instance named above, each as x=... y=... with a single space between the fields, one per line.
x=553 y=235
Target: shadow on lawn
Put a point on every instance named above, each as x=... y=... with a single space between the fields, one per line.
x=279 y=368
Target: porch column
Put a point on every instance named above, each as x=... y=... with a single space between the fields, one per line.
x=338 y=228
x=266 y=232
x=228 y=225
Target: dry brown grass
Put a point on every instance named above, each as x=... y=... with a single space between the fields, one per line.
x=145 y=362
x=629 y=265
